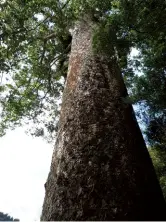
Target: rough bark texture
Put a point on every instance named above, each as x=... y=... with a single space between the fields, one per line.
x=101 y=169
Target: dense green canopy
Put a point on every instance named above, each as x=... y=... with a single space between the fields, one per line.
x=35 y=41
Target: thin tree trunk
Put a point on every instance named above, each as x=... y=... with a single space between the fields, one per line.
x=101 y=169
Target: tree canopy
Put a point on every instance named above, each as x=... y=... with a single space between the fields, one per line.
x=35 y=40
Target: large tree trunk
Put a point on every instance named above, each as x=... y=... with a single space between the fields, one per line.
x=101 y=169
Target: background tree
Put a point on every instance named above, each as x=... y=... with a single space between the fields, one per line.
x=149 y=89
x=6 y=217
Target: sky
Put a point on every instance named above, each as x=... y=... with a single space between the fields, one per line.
x=24 y=166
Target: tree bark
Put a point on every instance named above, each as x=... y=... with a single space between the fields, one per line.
x=101 y=169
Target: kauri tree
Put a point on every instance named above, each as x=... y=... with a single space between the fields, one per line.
x=100 y=169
